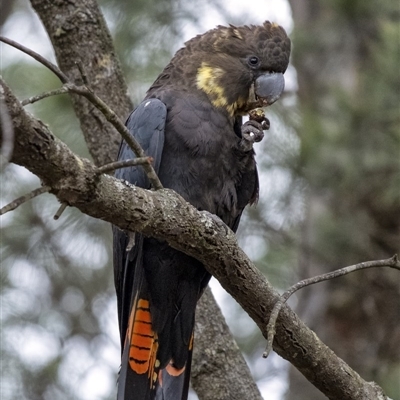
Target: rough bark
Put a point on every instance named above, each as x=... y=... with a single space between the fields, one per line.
x=337 y=47
x=79 y=34
x=164 y=214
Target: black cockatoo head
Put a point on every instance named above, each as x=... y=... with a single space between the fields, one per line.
x=238 y=68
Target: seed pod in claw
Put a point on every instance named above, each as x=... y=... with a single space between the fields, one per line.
x=259 y=116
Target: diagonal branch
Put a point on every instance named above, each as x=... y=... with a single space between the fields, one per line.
x=165 y=215
x=44 y=95
x=112 y=117
x=125 y=163
x=53 y=68
x=23 y=199
x=86 y=92
x=392 y=262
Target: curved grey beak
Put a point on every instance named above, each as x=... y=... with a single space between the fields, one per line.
x=269 y=87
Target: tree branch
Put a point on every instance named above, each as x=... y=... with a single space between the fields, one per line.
x=23 y=199
x=165 y=215
x=41 y=96
x=112 y=117
x=88 y=93
x=392 y=262
x=125 y=163
x=53 y=68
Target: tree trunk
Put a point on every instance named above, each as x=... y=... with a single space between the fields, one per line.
x=350 y=159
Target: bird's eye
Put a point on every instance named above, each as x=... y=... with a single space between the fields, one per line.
x=253 y=61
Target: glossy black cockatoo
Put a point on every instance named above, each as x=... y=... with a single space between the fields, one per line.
x=190 y=123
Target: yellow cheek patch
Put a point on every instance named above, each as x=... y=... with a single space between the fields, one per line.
x=207 y=81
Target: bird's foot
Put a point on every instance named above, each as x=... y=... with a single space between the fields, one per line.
x=252 y=132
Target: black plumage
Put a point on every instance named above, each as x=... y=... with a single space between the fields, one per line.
x=191 y=124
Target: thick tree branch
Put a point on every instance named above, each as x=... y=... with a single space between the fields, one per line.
x=164 y=214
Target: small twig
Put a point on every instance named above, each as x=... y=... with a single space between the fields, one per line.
x=60 y=210
x=121 y=128
x=126 y=163
x=112 y=118
x=23 y=199
x=63 y=78
x=97 y=102
x=392 y=262
x=7 y=135
x=34 y=99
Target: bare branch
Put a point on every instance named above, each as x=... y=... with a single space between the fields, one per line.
x=392 y=262
x=126 y=163
x=85 y=91
x=121 y=128
x=63 y=78
x=7 y=135
x=114 y=120
x=34 y=99
x=23 y=199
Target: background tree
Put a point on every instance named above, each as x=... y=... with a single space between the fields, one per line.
x=346 y=55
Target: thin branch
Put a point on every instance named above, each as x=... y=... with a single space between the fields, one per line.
x=392 y=262
x=126 y=163
x=85 y=91
x=34 y=99
x=121 y=128
x=60 y=210
x=63 y=78
x=7 y=135
x=23 y=199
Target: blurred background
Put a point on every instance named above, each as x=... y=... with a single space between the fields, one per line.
x=330 y=197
